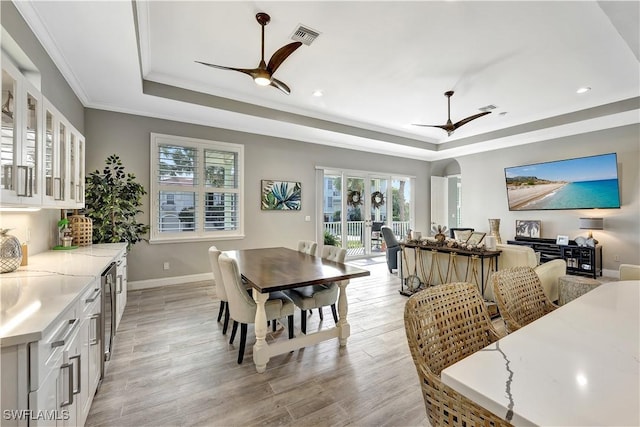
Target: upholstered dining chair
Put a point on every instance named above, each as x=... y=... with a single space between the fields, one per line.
x=308 y=247
x=629 y=272
x=445 y=324
x=214 y=254
x=520 y=297
x=318 y=296
x=393 y=247
x=242 y=308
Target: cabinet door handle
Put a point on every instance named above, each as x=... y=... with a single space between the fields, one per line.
x=79 y=376
x=96 y=318
x=57 y=189
x=93 y=296
x=70 y=388
x=25 y=180
x=70 y=326
x=8 y=176
x=119 y=291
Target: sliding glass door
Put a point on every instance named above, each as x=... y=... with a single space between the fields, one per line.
x=355 y=205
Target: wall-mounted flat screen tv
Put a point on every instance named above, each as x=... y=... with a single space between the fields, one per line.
x=581 y=183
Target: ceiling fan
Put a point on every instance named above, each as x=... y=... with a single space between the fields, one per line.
x=449 y=126
x=263 y=75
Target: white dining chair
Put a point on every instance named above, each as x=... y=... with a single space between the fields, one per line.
x=214 y=254
x=308 y=247
x=242 y=308
x=318 y=296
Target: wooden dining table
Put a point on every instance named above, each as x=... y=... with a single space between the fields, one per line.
x=276 y=269
x=576 y=366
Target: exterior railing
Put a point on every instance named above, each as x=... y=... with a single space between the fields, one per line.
x=355 y=230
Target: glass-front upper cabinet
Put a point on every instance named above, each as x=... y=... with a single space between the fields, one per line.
x=63 y=168
x=76 y=168
x=21 y=142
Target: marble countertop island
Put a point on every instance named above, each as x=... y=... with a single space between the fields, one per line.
x=33 y=296
x=578 y=365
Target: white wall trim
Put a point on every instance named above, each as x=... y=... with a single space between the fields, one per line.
x=168 y=281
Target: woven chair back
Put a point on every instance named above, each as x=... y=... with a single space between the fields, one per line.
x=445 y=324
x=520 y=297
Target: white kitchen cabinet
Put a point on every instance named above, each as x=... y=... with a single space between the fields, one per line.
x=21 y=139
x=91 y=343
x=64 y=154
x=42 y=156
x=121 y=287
x=55 y=365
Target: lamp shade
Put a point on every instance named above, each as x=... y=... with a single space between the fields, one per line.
x=591 y=223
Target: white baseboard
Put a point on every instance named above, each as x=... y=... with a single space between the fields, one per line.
x=168 y=281
x=611 y=273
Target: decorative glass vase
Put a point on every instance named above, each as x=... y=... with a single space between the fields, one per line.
x=494 y=229
x=10 y=252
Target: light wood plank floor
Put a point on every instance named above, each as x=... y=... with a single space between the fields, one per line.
x=171 y=366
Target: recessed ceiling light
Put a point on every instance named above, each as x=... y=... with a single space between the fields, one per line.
x=583 y=89
x=317 y=92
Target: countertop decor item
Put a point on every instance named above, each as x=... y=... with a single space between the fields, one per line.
x=10 y=251
x=112 y=200
x=81 y=230
x=494 y=229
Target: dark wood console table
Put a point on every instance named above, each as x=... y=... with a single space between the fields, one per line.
x=432 y=273
x=581 y=260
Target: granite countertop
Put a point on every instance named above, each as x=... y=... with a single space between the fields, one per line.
x=33 y=296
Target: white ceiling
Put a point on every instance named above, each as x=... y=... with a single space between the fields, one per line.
x=381 y=65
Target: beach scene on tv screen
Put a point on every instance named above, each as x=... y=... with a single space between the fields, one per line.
x=582 y=183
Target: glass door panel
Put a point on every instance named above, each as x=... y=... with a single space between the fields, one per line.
x=8 y=143
x=30 y=173
x=355 y=239
x=59 y=184
x=48 y=155
x=401 y=204
x=378 y=188
x=355 y=206
x=332 y=208
x=72 y=168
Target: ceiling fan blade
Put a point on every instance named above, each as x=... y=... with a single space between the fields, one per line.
x=281 y=54
x=280 y=85
x=449 y=128
x=468 y=119
x=249 y=71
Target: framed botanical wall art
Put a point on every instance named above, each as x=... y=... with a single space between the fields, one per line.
x=281 y=195
x=528 y=228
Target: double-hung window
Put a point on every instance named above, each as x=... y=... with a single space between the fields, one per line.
x=196 y=189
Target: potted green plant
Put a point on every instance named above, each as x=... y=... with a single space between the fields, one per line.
x=330 y=239
x=113 y=199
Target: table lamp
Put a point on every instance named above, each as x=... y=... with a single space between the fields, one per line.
x=591 y=224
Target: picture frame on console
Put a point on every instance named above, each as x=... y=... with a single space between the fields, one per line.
x=528 y=228
x=475 y=238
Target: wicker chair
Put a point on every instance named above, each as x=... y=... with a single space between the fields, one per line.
x=445 y=324
x=520 y=297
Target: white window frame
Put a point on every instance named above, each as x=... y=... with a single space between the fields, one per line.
x=154 y=194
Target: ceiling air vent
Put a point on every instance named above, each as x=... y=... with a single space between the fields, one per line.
x=304 y=34
x=488 y=108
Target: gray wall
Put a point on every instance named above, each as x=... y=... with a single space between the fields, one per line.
x=265 y=158
x=484 y=192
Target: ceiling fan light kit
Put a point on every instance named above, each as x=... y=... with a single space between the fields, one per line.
x=450 y=127
x=263 y=74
